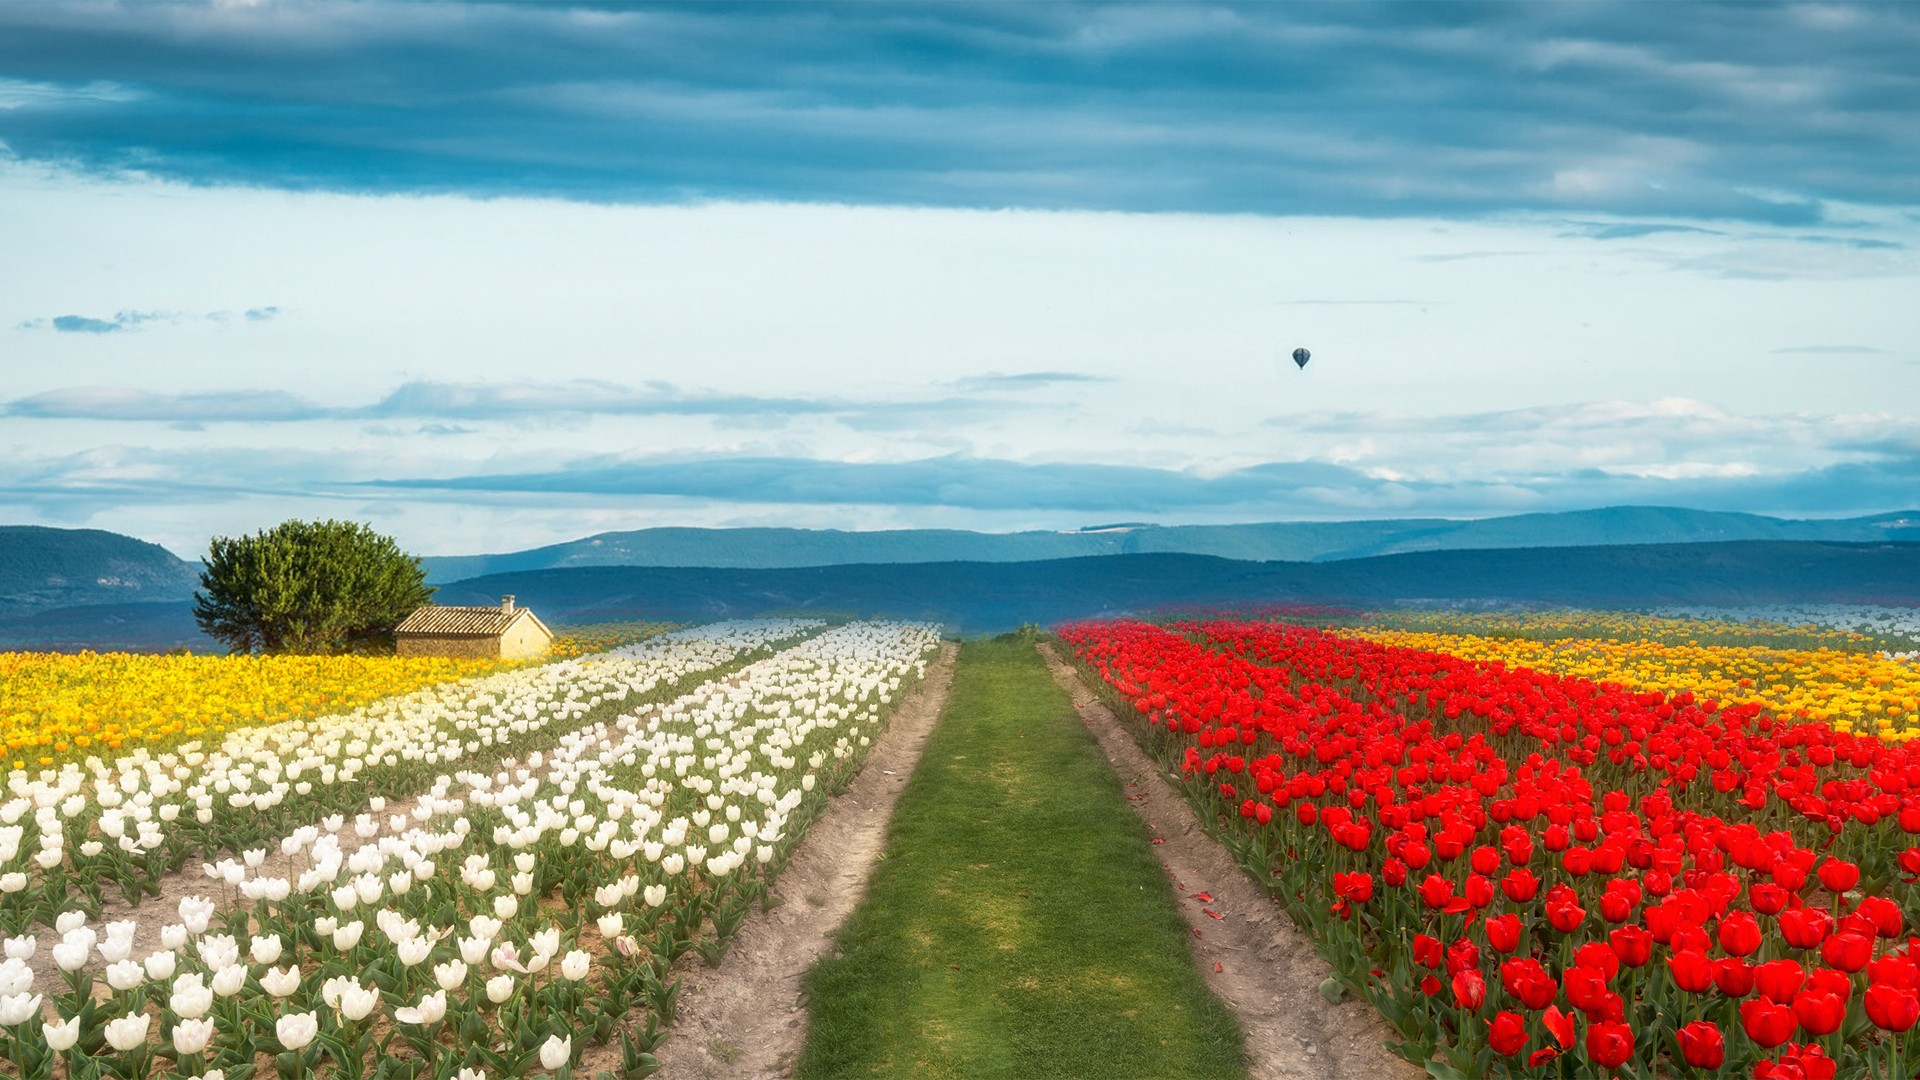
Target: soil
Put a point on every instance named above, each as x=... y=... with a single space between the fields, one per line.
x=1248 y=950
x=747 y=1018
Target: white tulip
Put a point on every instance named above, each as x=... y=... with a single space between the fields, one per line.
x=266 y=950
x=358 y=1003
x=160 y=965
x=431 y=1009
x=450 y=975
x=413 y=951
x=556 y=1052
x=499 y=988
x=192 y=1036
x=228 y=980
x=296 y=1030
x=281 y=982
x=575 y=965
x=128 y=1031
x=61 y=1034
x=191 y=997
x=18 y=1009
x=125 y=975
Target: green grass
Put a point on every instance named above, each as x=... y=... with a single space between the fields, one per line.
x=1018 y=923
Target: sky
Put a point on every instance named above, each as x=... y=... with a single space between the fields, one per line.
x=488 y=276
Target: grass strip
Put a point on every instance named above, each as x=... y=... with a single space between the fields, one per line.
x=1018 y=924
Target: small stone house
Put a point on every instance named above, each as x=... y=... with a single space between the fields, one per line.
x=493 y=633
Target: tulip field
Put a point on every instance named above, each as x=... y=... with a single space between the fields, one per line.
x=545 y=842
x=1568 y=855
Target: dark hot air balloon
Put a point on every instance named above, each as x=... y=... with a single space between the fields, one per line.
x=1301 y=356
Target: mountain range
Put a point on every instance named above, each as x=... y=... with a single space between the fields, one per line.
x=70 y=589
x=765 y=548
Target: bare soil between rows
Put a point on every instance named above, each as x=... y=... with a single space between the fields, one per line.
x=747 y=1018
x=1251 y=954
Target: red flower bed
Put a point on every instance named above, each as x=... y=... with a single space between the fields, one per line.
x=1539 y=875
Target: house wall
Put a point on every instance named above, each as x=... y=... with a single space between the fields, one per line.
x=465 y=648
x=524 y=640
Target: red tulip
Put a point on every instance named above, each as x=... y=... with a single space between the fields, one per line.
x=1484 y=861
x=1885 y=915
x=1436 y=891
x=1560 y=1026
x=1779 y=980
x=1848 y=952
x=1797 y=1062
x=1893 y=970
x=1839 y=876
x=1702 y=1045
x=1503 y=932
x=1477 y=891
x=1632 y=944
x=1766 y=1022
x=1767 y=898
x=1805 y=928
x=1428 y=952
x=1692 y=971
x=1820 y=1013
x=1353 y=888
x=1733 y=976
x=1463 y=955
x=1585 y=987
x=1599 y=956
x=1520 y=885
x=1739 y=933
x=1892 y=1008
x=1507 y=1033
x=1528 y=980
x=1609 y=1044
x=1469 y=989
x=1565 y=915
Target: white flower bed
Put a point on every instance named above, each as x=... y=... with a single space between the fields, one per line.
x=130 y=820
x=1898 y=623
x=514 y=917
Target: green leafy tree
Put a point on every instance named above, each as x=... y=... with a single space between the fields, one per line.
x=308 y=587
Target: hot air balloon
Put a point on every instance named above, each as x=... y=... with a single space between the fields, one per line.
x=1301 y=356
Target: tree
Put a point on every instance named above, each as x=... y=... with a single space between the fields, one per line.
x=308 y=587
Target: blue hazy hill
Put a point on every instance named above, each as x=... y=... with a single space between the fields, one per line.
x=765 y=548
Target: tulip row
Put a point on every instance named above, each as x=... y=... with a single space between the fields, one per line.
x=60 y=706
x=1533 y=874
x=1854 y=690
x=520 y=914
x=67 y=836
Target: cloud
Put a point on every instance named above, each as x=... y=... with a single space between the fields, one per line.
x=81 y=324
x=88 y=324
x=1835 y=350
x=478 y=402
x=1266 y=491
x=108 y=403
x=1025 y=380
x=1374 y=110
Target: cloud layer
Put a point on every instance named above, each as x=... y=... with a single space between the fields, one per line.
x=1757 y=112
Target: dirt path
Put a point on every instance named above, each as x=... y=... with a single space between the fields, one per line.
x=745 y=1018
x=1251 y=954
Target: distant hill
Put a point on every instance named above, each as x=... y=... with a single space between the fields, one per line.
x=978 y=596
x=981 y=597
x=46 y=568
x=764 y=548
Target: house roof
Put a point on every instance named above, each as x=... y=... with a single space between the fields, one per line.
x=465 y=621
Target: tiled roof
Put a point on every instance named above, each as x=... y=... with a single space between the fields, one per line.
x=462 y=621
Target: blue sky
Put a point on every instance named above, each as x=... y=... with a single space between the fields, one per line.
x=491 y=275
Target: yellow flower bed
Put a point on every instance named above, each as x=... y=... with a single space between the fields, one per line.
x=1853 y=691
x=599 y=637
x=1622 y=626
x=56 y=706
